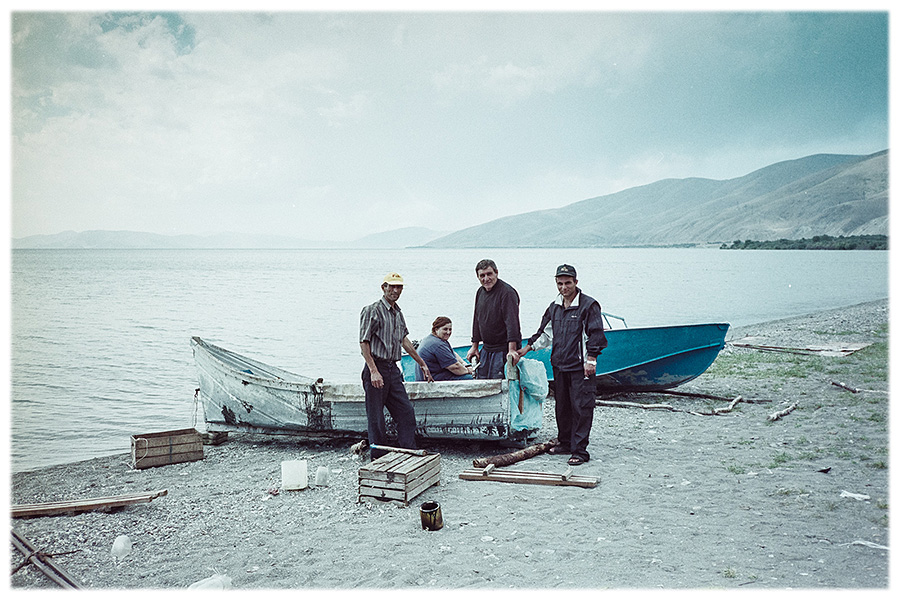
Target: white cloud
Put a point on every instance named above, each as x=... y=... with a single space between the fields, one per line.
x=175 y=121
x=342 y=113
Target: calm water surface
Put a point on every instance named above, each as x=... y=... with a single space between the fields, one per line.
x=100 y=338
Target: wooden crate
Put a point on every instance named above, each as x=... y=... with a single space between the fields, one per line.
x=165 y=448
x=399 y=477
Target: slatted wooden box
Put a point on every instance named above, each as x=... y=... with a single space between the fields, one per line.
x=165 y=448
x=399 y=477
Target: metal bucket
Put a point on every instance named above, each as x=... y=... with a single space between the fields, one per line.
x=430 y=512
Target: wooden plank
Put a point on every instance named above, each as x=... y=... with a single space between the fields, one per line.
x=161 y=461
x=45 y=509
x=403 y=467
x=433 y=478
x=380 y=470
x=382 y=493
x=410 y=467
x=406 y=469
x=528 y=477
x=381 y=500
x=385 y=462
x=423 y=469
x=386 y=485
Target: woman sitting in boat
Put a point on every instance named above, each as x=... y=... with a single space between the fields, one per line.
x=443 y=363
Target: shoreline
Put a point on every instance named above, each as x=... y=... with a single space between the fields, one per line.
x=684 y=501
x=732 y=333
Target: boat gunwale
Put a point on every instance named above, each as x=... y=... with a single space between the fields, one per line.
x=718 y=324
x=418 y=390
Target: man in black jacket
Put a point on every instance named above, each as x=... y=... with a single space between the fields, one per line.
x=495 y=323
x=573 y=325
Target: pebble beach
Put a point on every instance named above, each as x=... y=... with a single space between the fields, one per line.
x=685 y=500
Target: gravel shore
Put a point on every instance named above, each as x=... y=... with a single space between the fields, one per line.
x=684 y=501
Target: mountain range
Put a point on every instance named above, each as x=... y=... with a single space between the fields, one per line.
x=823 y=194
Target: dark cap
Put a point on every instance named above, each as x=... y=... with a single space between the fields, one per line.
x=563 y=270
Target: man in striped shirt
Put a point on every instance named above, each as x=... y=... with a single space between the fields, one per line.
x=382 y=334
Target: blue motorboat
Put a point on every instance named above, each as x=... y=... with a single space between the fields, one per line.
x=641 y=359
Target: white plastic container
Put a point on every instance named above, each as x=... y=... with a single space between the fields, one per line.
x=322 y=477
x=294 y=475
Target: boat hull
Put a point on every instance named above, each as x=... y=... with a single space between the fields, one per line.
x=241 y=394
x=642 y=358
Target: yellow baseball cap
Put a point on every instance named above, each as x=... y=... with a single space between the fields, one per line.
x=393 y=279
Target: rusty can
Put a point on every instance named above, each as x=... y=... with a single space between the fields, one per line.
x=430 y=512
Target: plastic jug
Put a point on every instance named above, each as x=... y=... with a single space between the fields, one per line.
x=322 y=477
x=294 y=475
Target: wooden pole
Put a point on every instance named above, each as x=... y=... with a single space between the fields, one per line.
x=401 y=450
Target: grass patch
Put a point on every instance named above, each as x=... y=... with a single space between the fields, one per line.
x=780 y=459
x=772 y=365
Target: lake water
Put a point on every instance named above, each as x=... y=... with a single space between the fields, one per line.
x=100 y=338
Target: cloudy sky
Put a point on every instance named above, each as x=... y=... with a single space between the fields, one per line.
x=332 y=126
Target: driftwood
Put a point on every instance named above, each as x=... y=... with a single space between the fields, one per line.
x=854 y=390
x=865 y=543
x=669 y=407
x=685 y=395
x=841 y=384
x=825 y=350
x=502 y=460
x=778 y=414
x=692 y=395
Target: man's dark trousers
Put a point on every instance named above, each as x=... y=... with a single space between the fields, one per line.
x=491 y=365
x=575 y=400
x=392 y=396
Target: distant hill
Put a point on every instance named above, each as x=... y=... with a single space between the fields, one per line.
x=398 y=238
x=102 y=239
x=401 y=238
x=824 y=194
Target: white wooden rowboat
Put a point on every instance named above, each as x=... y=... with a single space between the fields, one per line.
x=241 y=394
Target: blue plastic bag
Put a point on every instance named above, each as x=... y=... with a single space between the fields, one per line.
x=533 y=382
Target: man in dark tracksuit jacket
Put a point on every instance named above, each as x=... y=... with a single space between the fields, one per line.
x=573 y=324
